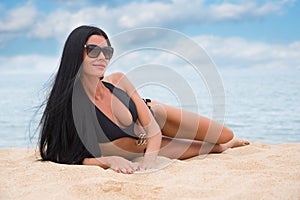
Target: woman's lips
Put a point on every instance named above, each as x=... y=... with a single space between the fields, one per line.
x=99 y=65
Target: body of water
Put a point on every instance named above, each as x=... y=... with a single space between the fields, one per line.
x=261 y=105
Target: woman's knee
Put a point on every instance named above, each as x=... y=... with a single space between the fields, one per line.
x=226 y=135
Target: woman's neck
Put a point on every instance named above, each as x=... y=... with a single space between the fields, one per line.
x=93 y=86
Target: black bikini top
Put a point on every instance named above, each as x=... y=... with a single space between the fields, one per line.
x=111 y=130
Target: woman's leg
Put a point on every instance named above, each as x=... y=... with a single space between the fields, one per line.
x=177 y=123
x=175 y=148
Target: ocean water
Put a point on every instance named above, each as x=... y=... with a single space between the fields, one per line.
x=263 y=105
x=260 y=105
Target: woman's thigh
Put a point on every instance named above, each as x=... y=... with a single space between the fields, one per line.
x=179 y=123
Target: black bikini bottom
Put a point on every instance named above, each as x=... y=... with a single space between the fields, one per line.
x=146 y=102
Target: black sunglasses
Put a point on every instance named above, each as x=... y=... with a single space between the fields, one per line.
x=93 y=51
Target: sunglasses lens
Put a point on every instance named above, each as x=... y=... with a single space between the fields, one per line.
x=93 y=51
x=107 y=52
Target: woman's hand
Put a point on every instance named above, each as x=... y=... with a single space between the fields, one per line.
x=148 y=161
x=153 y=147
x=119 y=164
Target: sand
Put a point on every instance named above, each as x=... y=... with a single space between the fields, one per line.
x=257 y=171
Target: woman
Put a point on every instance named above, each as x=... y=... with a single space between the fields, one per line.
x=93 y=119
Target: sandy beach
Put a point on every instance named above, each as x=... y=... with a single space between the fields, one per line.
x=257 y=171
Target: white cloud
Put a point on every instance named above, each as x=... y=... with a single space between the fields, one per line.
x=18 y=19
x=276 y=7
x=238 y=52
x=23 y=64
x=244 y=10
x=225 y=52
x=59 y=23
x=176 y=13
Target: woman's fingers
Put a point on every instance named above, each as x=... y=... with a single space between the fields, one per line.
x=127 y=167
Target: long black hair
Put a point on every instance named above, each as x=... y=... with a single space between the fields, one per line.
x=59 y=141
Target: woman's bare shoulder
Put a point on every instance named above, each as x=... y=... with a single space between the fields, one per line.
x=118 y=79
x=115 y=77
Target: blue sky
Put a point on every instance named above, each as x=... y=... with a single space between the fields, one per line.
x=235 y=33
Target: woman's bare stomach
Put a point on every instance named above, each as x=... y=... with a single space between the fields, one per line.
x=125 y=147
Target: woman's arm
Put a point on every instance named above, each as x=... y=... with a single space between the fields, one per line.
x=146 y=119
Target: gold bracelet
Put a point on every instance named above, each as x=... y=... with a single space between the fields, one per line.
x=142 y=139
